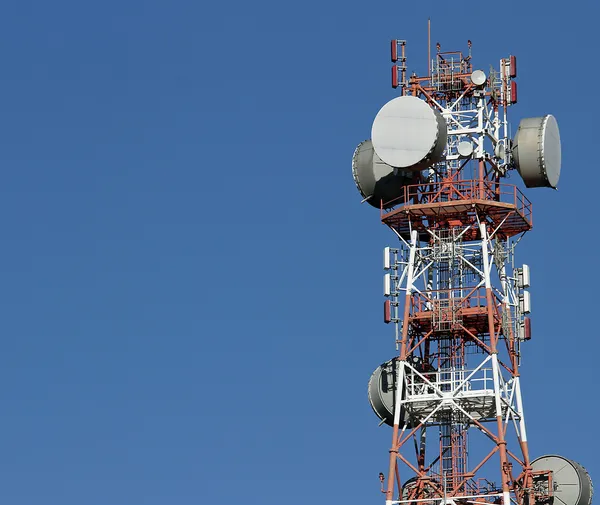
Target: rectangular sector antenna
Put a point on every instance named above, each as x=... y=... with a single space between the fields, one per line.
x=394 y=51
x=525 y=302
x=386 y=258
x=387 y=312
x=513 y=67
x=513 y=92
x=525 y=329
x=395 y=80
x=524 y=277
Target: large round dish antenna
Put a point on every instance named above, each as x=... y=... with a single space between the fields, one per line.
x=378 y=182
x=382 y=391
x=382 y=394
x=407 y=133
x=570 y=481
x=536 y=151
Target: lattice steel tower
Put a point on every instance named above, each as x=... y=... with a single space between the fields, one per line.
x=457 y=300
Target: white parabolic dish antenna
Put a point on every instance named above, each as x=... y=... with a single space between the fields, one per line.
x=465 y=148
x=407 y=133
x=536 y=151
x=478 y=77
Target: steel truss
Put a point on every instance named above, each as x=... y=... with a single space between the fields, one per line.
x=457 y=303
x=453 y=310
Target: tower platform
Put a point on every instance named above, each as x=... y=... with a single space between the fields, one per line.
x=425 y=207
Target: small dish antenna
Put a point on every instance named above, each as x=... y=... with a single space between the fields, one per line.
x=500 y=151
x=465 y=149
x=478 y=77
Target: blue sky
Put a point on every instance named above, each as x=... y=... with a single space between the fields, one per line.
x=190 y=290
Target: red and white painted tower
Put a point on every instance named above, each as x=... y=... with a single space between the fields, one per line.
x=458 y=301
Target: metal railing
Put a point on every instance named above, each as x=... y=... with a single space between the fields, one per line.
x=449 y=380
x=461 y=191
x=465 y=297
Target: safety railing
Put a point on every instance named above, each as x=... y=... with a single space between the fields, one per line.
x=460 y=298
x=455 y=381
x=461 y=191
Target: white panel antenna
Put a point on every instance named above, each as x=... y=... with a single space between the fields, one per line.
x=387 y=285
x=386 y=258
x=525 y=302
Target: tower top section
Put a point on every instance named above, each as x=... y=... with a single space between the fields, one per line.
x=442 y=150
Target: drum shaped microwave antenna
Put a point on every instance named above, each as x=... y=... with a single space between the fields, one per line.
x=377 y=181
x=536 y=151
x=570 y=481
x=382 y=393
x=407 y=133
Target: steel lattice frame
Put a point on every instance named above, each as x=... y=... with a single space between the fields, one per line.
x=457 y=303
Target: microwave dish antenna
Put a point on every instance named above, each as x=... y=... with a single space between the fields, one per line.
x=537 y=153
x=408 y=133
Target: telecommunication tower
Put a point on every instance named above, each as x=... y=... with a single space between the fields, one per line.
x=435 y=168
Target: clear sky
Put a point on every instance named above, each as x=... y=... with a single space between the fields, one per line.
x=190 y=290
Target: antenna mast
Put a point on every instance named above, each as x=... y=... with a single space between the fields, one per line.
x=435 y=168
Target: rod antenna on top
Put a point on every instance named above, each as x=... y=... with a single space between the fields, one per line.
x=428 y=47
